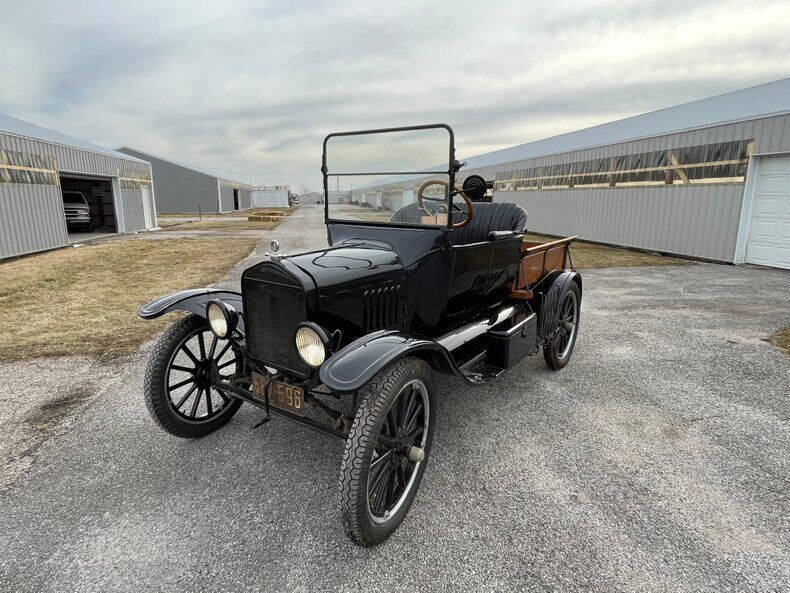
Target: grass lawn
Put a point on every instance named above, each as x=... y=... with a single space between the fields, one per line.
x=84 y=300
x=224 y=225
x=592 y=255
x=368 y=214
x=782 y=339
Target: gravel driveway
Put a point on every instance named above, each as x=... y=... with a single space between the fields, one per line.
x=658 y=460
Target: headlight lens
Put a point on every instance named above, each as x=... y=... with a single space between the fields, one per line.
x=222 y=318
x=310 y=346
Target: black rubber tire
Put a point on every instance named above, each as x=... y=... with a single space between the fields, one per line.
x=376 y=398
x=550 y=350
x=156 y=397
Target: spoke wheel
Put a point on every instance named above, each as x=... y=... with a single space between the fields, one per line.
x=392 y=472
x=387 y=450
x=198 y=357
x=559 y=348
x=179 y=390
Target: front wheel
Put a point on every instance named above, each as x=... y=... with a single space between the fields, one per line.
x=386 y=450
x=559 y=347
x=178 y=380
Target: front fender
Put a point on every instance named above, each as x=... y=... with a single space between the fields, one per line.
x=353 y=366
x=193 y=301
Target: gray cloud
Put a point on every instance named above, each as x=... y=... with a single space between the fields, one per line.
x=251 y=88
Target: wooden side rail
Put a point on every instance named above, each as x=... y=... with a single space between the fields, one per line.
x=537 y=260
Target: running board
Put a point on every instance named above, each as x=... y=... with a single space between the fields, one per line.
x=478 y=370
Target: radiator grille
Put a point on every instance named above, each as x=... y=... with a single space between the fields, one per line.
x=272 y=312
x=381 y=307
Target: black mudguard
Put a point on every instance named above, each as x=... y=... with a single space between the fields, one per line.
x=193 y=301
x=553 y=288
x=353 y=366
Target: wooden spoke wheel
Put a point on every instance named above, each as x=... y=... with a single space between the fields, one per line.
x=179 y=382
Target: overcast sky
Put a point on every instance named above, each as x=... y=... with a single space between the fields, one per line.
x=250 y=88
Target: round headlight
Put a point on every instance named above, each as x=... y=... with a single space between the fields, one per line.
x=222 y=318
x=310 y=346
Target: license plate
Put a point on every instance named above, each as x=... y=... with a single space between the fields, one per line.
x=281 y=395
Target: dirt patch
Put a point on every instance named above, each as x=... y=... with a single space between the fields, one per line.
x=217 y=224
x=53 y=411
x=782 y=339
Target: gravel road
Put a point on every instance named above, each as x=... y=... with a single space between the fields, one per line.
x=658 y=460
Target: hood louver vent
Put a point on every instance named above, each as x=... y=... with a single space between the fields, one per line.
x=381 y=307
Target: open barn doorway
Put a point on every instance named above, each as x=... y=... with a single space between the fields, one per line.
x=88 y=206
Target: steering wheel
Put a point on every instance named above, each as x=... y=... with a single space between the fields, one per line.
x=458 y=191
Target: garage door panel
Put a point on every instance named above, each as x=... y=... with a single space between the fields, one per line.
x=768 y=240
x=768 y=206
x=771 y=184
x=765 y=229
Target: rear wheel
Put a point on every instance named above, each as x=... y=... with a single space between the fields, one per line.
x=178 y=386
x=559 y=348
x=386 y=450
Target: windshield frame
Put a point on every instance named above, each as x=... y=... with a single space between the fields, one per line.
x=450 y=172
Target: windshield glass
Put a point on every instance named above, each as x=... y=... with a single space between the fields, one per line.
x=73 y=197
x=377 y=176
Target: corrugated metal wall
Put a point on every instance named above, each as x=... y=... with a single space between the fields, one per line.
x=696 y=220
x=76 y=160
x=226 y=193
x=246 y=197
x=179 y=189
x=31 y=218
x=132 y=202
x=700 y=221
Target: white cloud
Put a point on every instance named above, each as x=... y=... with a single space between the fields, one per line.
x=251 y=88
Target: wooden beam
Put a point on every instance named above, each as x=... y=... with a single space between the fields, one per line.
x=674 y=162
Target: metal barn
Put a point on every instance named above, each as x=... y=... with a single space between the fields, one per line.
x=708 y=179
x=40 y=167
x=271 y=196
x=185 y=188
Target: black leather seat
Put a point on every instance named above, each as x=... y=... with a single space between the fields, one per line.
x=488 y=216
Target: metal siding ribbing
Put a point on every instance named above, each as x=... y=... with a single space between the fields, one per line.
x=226 y=196
x=246 y=198
x=695 y=221
x=32 y=215
x=31 y=218
x=179 y=189
x=699 y=220
x=133 y=214
x=73 y=159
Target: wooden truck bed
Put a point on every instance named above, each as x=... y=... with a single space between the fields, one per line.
x=537 y=260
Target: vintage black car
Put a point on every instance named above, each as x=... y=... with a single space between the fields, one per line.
x=348 y=340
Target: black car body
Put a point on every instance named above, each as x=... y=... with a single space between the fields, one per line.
x=353 y=332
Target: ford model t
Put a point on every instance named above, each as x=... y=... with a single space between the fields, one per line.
x=420 y=278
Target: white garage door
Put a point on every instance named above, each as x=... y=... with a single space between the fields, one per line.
x=768 y=241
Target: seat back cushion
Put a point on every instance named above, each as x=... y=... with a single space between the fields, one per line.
x=490 y=216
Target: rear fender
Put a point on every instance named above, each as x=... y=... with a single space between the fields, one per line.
x=554 y=288
x=356 y=364
x=193 y=301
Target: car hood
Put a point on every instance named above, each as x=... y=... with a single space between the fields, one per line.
x=350 y=264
